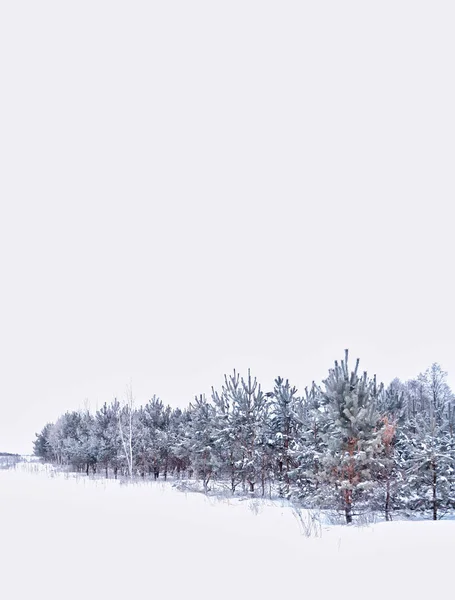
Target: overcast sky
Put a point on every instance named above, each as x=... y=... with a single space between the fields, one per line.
x=189 y=187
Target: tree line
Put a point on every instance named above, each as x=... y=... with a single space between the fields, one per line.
x=349 y=444
x=8 y=460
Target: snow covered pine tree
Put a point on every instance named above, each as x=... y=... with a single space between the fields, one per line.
x=353 y=438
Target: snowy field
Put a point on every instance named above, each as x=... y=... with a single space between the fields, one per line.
x=71 y=538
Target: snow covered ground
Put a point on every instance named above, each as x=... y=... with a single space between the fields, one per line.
x=77 y=538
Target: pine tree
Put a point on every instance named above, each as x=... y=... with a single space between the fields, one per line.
x=391 y=407
x=283 y=430
x=179 y=423
x=426 y=447
x=227 y=428
x=107 y=437
x=353 y=438
x=42 y=446
x=148 y=445
x=310 y=447
x=87 y=449
x=205 y=459
x=249 y=413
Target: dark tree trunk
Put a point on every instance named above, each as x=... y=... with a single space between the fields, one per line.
x=387 y=502
x=435 y=500
x=233 y=483
x=348 y=506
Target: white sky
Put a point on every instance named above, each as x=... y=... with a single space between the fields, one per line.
x=189 y=187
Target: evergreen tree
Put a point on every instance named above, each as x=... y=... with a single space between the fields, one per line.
x=391 y=407
x=179 y=424
x=249 y=413
x=107 y=439
x=310 y=447
x=354 y=437
x=426 y=447
x=205 y=458
x=42 y=446
x=147 y=443
x=283 y=430
x=227 y=428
